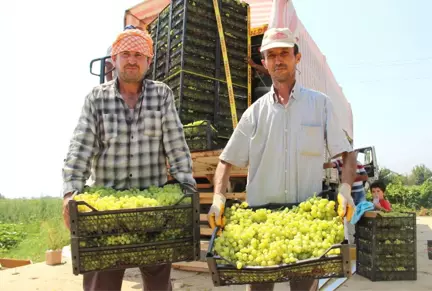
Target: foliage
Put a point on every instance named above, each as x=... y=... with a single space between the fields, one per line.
x=42 y=222
x=420 y=174
x=409 y=197
x=10 y=236
x=30 y=210
x=56 y=236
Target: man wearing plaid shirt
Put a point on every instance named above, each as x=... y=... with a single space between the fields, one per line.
x=127 y=129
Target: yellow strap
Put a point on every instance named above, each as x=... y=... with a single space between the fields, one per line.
x=199 y=75
x=249 y=75
x=226 y=64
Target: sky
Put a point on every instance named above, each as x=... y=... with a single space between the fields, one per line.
x=380 y=52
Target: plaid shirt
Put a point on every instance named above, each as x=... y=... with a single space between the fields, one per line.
x=124 y=149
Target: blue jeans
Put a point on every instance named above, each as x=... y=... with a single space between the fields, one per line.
x=359 y=196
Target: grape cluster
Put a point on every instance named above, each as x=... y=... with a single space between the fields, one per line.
x=103 y=198
x=123 y=258
x=122 y=228
x=267 y=238
x=133 y=238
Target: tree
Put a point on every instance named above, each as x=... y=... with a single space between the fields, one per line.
x=388 y=176
x=2 y=197
x=420 y=174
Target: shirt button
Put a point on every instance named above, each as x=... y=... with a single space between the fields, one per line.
x=132 y=137
x=286 y=130
x=286 y=191
x=130 y=175
x=131 y=156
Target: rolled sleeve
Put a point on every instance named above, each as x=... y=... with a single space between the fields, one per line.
x=337 y=141
x=236 y=152
x=174 y=141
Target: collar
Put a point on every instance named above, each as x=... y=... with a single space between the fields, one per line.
x=117 y=92
x=295 y=93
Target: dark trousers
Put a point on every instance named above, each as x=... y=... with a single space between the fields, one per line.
x=155 y=278
x=305 y=285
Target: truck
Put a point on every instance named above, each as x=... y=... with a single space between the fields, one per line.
x=313 y=72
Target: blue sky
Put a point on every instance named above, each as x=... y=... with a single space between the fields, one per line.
x=380 y=52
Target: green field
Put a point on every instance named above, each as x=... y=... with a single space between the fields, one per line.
x=29 y=227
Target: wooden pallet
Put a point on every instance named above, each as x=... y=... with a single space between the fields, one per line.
x=205 y=163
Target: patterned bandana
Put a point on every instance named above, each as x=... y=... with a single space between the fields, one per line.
x=134 y=40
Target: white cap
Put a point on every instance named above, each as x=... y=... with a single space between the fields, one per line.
x=277 y=37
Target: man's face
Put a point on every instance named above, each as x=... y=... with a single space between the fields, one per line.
x=281 y=63
x=131 y=66
x=377 y=193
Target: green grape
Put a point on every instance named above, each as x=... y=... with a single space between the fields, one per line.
x=109 y=199
x=267 y=238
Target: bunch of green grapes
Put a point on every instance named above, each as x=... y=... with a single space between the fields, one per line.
x=133 y=238
x=109 y=199
x=268 y=238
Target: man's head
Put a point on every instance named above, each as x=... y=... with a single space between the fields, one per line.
x=280 y=54
x=378 y=189
x=132 y=53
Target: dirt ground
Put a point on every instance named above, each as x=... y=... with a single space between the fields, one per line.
x=42 y=277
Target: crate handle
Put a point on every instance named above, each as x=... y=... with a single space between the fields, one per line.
x=337 y=246
x=86 y=204
x=211 y=245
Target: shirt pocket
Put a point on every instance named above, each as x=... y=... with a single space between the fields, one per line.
x=109 y=126
x=152 y=123
x=311 y=140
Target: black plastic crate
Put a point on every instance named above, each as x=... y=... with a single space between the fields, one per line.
x=388 y=262
x=387 y=247
x=127 y=238
x=201 y=98
x=225 y=273
x=202 y=136
x=186 y=38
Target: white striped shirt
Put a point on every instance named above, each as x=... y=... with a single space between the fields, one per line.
x=285 y=146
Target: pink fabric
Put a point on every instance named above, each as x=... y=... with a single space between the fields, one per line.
x=134 y=40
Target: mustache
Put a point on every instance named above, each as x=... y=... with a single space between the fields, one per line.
x=281 y=67
x=131 y=66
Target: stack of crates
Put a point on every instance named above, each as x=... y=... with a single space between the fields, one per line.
x=259 y=79
x=387 y=247
x=188 y=59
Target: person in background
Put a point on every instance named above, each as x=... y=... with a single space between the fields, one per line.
x=378 y=191
x=357 y=189
x=127 y=130
x=110 y=72
x=281 y=137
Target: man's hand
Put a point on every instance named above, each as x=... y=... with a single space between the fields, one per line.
x=344 y=209
x=346 y=205
x=216 y=211
x=345 y=191
x=66 y=198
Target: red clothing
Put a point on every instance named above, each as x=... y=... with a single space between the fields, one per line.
x=385 y=204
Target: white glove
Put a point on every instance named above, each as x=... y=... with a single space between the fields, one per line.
x=345 y=191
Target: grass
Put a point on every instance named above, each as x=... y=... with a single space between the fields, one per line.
x=42 y=222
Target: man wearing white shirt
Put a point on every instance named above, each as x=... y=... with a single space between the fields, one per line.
x=282 y=137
